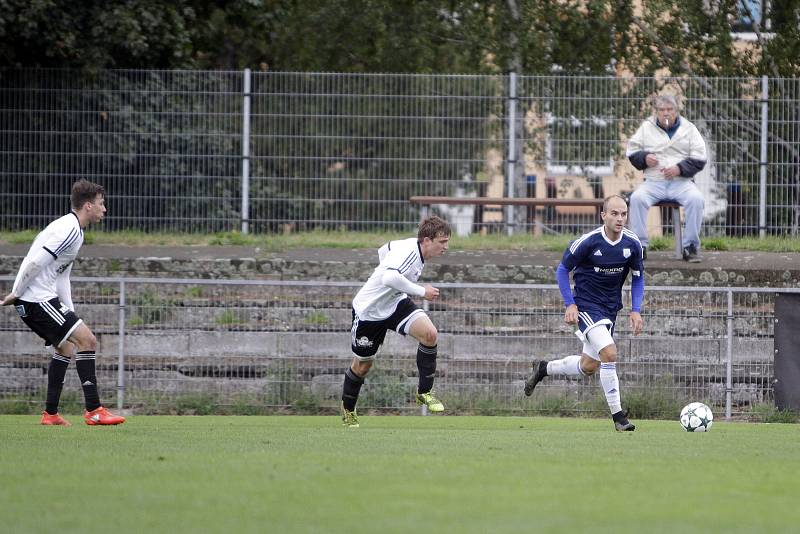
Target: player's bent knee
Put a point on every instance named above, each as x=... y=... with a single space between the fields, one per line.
x=589 y=365
x=85 y=341
x=432 y=338
x=361 y=367
x=589 y=368
x=608 y=354
x=429 y=337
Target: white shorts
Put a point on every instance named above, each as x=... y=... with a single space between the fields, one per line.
x=596 y=338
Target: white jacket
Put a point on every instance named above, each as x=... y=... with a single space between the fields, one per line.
x=686 y=143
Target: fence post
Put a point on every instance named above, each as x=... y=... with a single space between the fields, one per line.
x=762 y=161
x=729 y=358
x=512 y=148
x=121 y=349
x=246 y=153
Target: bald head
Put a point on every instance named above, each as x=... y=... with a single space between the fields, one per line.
x=609 y=199
x=615 y=215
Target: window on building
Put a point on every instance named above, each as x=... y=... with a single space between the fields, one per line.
x=752 y=15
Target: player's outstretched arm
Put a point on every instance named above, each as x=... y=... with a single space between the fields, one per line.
x=8 y=299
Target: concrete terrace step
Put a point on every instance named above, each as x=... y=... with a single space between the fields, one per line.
x=182 y=346
x=462 y=319
x=718 y=269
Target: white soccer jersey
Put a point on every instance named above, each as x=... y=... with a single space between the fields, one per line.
x=62 y=239
x=375 y=300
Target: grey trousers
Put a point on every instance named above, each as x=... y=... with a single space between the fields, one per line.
x=680 y=190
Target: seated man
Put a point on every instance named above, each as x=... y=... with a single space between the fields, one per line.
x=670 y=151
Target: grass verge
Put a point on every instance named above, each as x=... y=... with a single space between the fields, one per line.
x=345 y=239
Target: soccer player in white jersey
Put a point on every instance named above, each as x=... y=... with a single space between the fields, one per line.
x=383 y=304
x=600 y=261
x=43 y=299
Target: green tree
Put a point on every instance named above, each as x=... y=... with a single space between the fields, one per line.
x=370 y=36
x=436 y=36
x=96 y=34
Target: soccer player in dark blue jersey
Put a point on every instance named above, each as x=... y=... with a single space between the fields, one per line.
x=600 y=262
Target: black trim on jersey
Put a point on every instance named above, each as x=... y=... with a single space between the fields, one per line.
x=419 y=248
x=389 y=244
x=407 y=263
x=70 y=239
x=51 y=252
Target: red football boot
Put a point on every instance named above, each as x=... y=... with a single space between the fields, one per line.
x=54 y=420
x=101 y=416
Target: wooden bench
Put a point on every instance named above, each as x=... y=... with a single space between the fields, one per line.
x=676 y=225
x=530 y=202
x=425 y=202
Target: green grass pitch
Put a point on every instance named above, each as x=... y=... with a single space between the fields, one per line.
x=396 y=474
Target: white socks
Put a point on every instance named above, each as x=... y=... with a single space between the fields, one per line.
x=610 y=382
x=569 y=366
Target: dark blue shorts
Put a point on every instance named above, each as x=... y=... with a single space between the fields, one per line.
x=589 y=318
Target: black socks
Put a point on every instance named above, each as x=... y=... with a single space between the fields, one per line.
x=56 y=372
x=84 y=361
x=350 y=389
x=426 y=365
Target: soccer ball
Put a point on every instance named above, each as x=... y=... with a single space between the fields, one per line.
x=696 y=417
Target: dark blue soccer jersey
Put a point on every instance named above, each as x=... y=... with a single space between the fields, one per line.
x=600 y=267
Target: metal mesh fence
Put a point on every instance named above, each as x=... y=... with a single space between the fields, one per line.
x=165 y=144
x=211 y=151
x=350 y=150
x=577 y=124
x=211 y=346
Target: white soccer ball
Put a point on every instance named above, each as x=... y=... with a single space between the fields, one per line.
x=696 y=417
